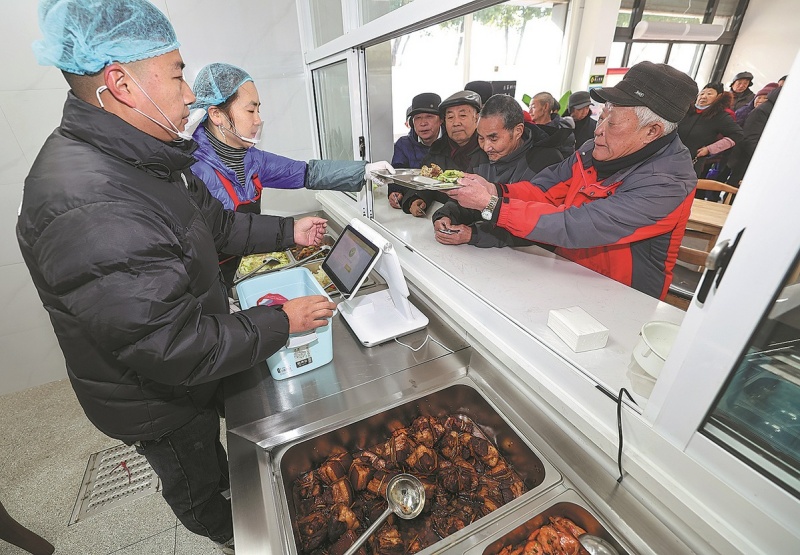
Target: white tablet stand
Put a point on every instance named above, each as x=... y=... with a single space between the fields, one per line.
x=384 y=315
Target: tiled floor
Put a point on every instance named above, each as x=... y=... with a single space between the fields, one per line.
x=44 y=447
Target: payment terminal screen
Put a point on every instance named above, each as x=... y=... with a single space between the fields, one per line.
x=349 y=260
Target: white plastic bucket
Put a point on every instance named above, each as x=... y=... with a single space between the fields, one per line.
x=655 y=343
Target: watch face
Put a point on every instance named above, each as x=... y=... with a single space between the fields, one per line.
x=486 y=214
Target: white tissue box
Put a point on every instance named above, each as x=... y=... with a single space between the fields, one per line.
x=578 y=329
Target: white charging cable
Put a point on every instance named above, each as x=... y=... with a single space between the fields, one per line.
x=427 y=337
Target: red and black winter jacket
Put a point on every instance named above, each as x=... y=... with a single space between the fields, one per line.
x=628 y=226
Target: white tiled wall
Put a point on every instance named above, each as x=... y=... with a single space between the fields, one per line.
x=261 y=37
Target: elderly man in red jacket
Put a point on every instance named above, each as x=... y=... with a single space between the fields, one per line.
x=619 y=205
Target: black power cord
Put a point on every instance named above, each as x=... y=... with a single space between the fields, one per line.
x=619 y=428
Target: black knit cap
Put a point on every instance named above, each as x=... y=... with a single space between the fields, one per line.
x=662 y=88
x=425 y=103
x=468 y=98
x=483 y=88
x=716 y=86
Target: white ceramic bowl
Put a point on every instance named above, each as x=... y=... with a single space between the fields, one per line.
x=655 y=343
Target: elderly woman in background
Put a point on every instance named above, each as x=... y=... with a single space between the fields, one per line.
x=235 y=172
x=708 y=129
x=758 y=100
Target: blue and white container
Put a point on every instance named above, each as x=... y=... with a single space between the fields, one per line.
x=304 y=351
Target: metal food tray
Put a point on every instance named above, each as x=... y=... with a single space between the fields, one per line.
x=568 y=504
x=331 y=290
x=536 y=472
x=405 y=177
x=238 y=275
x=327 y=240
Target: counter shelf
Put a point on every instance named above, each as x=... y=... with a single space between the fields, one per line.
x=546 y=281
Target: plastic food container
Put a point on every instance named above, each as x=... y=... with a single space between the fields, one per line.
x=655 y=343
x=305 y=351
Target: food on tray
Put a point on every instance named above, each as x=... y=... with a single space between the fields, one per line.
x=323 y=278
x=253 y=261
x=430 y=171
x=464 y=476
x=450 y=176
x=560 y=536
x=301 y=253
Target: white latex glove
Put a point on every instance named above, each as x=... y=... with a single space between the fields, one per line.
x=372 y=167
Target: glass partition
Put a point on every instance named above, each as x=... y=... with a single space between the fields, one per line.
x=326 y=20
x=757 y=415
x=332 y=98
x=373 y=9
x=505 y=44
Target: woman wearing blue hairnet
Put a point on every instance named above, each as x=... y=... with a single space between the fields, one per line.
x=233 y=170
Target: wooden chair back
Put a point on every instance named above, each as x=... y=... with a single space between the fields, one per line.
x=711 y=185
x=686 y=276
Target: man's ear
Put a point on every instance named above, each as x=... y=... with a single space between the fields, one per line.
x=119 y=84
x=519 y=129
x=654 y=131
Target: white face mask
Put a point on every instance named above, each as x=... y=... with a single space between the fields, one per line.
x=194 y=116
x=232 y=129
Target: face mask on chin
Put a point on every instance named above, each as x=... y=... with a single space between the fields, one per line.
x=233 y=131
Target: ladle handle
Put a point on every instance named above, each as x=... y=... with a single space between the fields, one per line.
x=371 y=530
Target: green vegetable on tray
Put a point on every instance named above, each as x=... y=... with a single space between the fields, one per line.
x=450 y=176
x=253 y=261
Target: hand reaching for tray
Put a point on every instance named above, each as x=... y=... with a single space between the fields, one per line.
x=309 y=231
x=308 y=313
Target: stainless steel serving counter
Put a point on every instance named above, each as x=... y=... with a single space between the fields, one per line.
x=264 y=416
x=261 y=412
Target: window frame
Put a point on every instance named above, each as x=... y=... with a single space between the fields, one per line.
x=725 y=42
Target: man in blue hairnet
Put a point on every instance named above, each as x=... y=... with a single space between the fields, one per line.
x=121 y=240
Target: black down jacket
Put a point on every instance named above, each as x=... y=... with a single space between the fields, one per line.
x=121 y=241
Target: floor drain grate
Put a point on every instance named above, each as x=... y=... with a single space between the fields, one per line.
x=113 y=477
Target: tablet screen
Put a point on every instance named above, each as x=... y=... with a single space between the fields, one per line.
x=349 y=260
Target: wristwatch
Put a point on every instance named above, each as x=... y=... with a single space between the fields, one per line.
x=488 y=212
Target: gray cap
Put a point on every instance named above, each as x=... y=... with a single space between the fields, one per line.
x=578 y=100
x=468 y=98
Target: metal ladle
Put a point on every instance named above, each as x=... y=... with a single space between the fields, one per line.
x=405 y=495
x=596 y=546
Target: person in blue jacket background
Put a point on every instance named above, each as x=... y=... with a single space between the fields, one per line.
x=235 y=172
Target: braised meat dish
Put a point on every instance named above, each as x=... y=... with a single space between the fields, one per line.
x=430 y=171
x=464 y=475
x=560 y=537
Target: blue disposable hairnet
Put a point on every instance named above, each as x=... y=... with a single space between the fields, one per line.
x=216 y=83
x=84 y=36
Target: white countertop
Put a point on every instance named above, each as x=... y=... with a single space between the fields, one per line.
x=525 y=283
